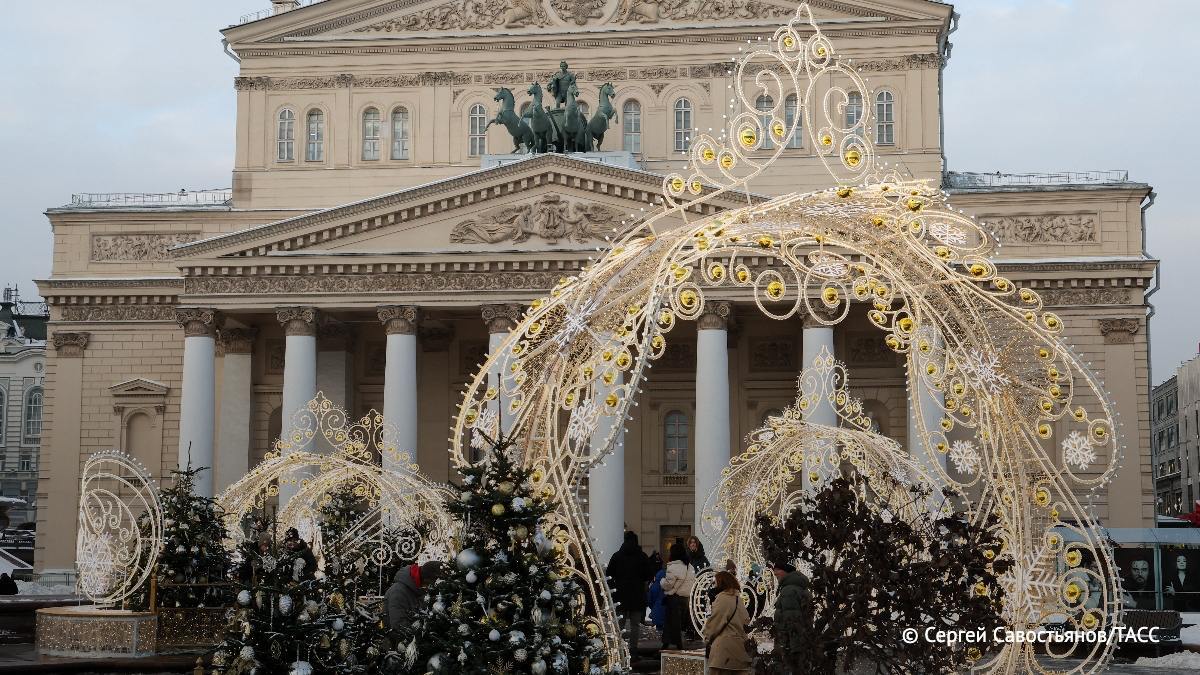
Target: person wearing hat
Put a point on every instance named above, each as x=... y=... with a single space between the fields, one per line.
x=792 y=603
x=403 y=597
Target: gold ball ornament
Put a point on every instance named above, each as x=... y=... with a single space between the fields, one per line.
x=506 y=488
x=498 y=510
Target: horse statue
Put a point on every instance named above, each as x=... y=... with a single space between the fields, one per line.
x=517 y=128
x=545 y=135
x=604 y=112
x=577 y=137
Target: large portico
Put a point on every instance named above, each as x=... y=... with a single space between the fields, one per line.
x=392 y=303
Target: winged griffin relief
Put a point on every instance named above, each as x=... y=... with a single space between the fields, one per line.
x=550 y=217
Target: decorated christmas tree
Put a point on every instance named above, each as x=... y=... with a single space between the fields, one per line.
x=871 y=568
x=194 y=564
x=508 y=603
x=270 y=625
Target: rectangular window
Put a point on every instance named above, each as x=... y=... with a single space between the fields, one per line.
x=633 y=129
x=315 y=151
x=400 y=134
x=286 y=137
x=26 y=464
x=885 y=121
x=32 y=428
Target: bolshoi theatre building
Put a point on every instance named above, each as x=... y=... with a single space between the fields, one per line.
x=380 y=236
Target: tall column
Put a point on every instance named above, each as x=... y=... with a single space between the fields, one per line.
x=931 y=414
x=299 y=369
x=712 y=409
x=233 y=437
x=58 y=465
x=817 y=337
x=335 y=363
x=500 y=320
x=400 y=378
x=606 y=481
x=198 y=407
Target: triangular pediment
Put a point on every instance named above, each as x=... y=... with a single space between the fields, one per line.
x=139 y=387
x=542 y=203
x=357 y=20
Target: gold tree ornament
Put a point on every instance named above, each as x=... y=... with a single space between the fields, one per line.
x=120 y=527
x=977 y=349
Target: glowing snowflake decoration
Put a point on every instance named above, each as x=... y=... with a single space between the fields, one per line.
x=948 y=234
x=486 y=423
x=583 y=421
x=573 y=325
x=965 y=457
x=1077 y=451
x=984 y=369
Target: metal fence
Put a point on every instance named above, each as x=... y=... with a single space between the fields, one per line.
x=264 y=13
x=217 y=197
x=968 y=179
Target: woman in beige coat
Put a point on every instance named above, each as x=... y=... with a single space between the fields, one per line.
x=725 y=629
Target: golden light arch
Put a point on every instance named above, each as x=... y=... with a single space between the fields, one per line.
x=328 y=451
x=875 y=241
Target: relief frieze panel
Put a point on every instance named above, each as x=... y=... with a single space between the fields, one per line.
x=137 y=247
x=372 y=283
x=1063 y=297
x=1066 y=228
x=119 y=313
x=551 y=218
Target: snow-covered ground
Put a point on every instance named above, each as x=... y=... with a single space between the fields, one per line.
x=1180 y=660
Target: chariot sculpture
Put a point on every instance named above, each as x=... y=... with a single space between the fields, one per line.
x=563 y=128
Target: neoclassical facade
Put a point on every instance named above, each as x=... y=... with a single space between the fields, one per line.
x=364 y=251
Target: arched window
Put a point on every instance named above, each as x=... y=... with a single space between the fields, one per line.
x=675 y=442
x=585 y=110
x=631 y=126
x=31 y=428
x=854 y=109
x=683 y=125
x=790 y=109
x=315 y=152
x=370 y=134
x=285 y=136
x=764 y=104
x=885 y=121
x=400 y=133
x=476 y=131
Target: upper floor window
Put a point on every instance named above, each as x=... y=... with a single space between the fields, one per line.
x=285 y=136
x=854 y=109
x=26 y=463
x=683 y=125
x=765 y=104
x=675 y=442
x=791 y=108
x=315 y=151
x=631 y=126
x=400 y=133
x=32 y=424
x=370 y=134
x=477 y=131
x=885 y=120
x=3 y=414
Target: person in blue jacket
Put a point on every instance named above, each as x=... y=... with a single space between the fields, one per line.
x=657 y=600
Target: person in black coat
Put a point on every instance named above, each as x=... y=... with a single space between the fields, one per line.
x=630 y=573
x=7 y=585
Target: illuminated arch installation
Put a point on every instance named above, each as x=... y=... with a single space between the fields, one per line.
x=397 y=495
x=922 y=271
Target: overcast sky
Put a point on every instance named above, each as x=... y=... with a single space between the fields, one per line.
x=136 y=95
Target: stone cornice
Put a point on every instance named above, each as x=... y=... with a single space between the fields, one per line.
x=445 y=78
x=439 y=197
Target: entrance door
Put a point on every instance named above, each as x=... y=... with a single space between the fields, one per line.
x=668 y=534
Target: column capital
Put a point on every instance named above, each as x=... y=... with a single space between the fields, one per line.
x=237 y=340
x=197 y=321
x=501 y=318
x=70 y=345
x=1119 y=331
x=335 y=336
x=399 y=319
x=716 y=315
x=298 y=320
x=820 y=316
